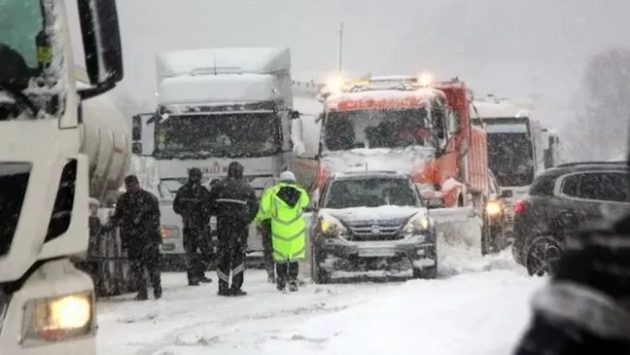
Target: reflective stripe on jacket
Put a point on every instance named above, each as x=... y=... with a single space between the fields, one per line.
x=288 y=226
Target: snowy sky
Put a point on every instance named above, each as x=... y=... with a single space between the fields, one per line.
x=507 y=47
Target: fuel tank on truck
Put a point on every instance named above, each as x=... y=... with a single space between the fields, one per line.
x=106 y=141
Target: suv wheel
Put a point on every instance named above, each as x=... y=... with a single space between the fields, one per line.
x=541 y=254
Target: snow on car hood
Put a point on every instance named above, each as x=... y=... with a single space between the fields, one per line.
x=382 y=213
x=407 y=159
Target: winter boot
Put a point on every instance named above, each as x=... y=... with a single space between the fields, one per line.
x=157 y=293
x=224 y=293
x=205 y=280
x=142 y=296
x=293 y=286
x=271 y=278
x=238 y=293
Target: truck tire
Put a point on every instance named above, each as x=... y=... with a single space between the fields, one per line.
x=427 y=273
x=319 y=276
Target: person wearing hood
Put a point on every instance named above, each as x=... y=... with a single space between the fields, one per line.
x=192 y=203
x=235 y=205
x=585 y=308
x=283 y=205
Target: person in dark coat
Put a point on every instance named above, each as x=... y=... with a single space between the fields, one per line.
x=235 y=205
x=192 y=203
x=585 y=309
x=138 y=216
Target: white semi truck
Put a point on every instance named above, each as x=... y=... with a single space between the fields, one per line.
x=516 y=151
x=47 y=305
x=216 y=106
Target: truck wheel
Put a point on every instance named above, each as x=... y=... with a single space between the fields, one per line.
x=541 y=254
x=319 y=275
x=427 y=273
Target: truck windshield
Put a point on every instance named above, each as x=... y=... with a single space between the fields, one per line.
x=21 y=21
x=375 y=129
x=510 y=154
x=373 y=192
x=201 y=136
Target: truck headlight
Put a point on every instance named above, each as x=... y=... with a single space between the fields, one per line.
x=58 y=319
x=169 y=232
x=417 y=224
x=493 y=208
x=330 y=226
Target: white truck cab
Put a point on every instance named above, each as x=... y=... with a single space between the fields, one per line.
x=46 y=303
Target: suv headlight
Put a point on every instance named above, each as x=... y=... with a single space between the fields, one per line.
x=330 y=226
x=58 y=319
x=417 y=224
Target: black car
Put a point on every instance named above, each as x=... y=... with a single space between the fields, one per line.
x=371 y=221
x=561 y=200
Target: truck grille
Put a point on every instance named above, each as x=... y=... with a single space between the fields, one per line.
x=376 y=232
x=13 y=184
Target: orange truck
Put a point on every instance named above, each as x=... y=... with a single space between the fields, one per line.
x=406 y=124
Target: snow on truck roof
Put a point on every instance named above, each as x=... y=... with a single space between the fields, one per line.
x=232 y=88
x=498 y=110
x=381 y=99
x=260 y=60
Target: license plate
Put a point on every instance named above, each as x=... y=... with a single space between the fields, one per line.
x=376 y=252
x=168 y=247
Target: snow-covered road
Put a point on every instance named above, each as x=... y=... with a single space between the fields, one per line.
x=477 y=309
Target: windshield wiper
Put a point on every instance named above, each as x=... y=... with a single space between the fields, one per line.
x=20 y=98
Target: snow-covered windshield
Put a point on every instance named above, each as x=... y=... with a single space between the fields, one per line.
x=372 y=192
x=238 y=135
x=22 y=21
x=510 y=154
x=375 y=129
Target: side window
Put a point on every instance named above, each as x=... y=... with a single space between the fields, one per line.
x=604 y=186
x=543 y=186
x=607 y=186
x=571 y=185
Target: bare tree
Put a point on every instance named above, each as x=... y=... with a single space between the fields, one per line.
x=601 y=129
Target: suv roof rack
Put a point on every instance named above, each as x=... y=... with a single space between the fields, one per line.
x=592 y=163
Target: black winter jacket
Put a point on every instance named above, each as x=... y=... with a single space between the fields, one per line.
x=141 y=207
x=233 y=201
x=192 y=202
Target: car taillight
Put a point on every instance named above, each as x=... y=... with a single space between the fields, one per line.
x=520 y=206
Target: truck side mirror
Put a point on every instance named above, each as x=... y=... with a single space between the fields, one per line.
x=136 y=128
x=102 y=45
x=136 y=148
x=295 y=115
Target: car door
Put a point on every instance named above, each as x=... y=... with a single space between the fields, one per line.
x=591 y=196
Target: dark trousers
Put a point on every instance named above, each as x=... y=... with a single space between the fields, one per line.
x=231 y=258
x=197 y=240
x=147 y=258
x=287 y=272
x=267 y=248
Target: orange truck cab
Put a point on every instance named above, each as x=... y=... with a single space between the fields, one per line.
x=420 y=128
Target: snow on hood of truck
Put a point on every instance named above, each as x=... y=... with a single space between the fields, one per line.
x=218 y=89
x=220 y=60
x=381 y=213
x=408 y=159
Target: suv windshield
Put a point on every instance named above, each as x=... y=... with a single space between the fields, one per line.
x=510 y=153
x=372 y=192
x=375 y=129
x=238 y=135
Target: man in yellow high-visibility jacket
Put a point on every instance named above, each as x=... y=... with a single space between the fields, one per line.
x=283 y=205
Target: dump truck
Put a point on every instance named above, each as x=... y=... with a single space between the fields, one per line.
x=409 y=124
x=47 y=304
